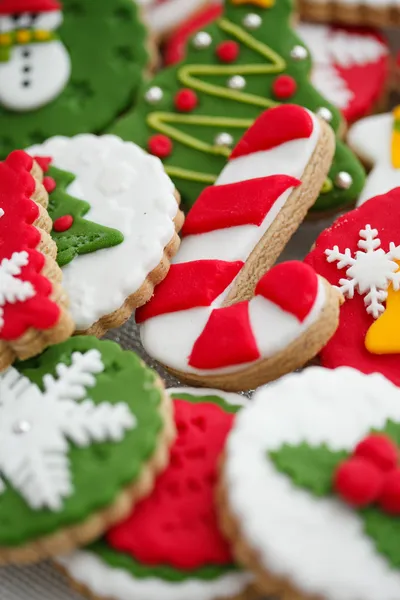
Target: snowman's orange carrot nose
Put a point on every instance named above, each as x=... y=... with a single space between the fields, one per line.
x=396 y=138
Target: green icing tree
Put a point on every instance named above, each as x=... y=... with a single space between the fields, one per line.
x=106 y=42
x=83 y=236
x=268 y=49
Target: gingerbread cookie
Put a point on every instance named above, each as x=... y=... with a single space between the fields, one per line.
x=360 y=255
x=309 y=490
x=376 y=140
x=170 y=547
x=378 y=13
x=350 y=67
x=85 y=427
x=63 y=69
x=33 y=305
x=116 y=215
x=192 y=114
x=233 y=324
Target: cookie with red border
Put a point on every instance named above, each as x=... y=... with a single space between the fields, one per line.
x=378 y=13
x=309 y=487
x=33 y=305
x=170 y=547
x=163 y=17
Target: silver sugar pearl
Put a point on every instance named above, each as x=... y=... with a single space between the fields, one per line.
x=22 y=427
x=201 y=40
x=223 y=139
x=154 y=95
x=325 y=114
x=252 y=21
x=299 y=52
x=343 y=180
x=237 y=82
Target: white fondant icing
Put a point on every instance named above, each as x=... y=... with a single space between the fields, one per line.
x=318 y=544
x=128 y=190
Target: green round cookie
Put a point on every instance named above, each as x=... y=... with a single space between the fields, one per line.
x=78 y=424
x=83 y=73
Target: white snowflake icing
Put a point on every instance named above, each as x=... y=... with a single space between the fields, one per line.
x=12 y=289
x=35 y=427
x=370 y=271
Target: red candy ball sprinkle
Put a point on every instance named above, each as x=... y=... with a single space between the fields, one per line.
x=63 y=223
x=160 y=145
x=186 y=100
x=389 y=499
x=380 y=450
x=358 y=482
x=49 y=184
x=228 y=51
x=284 y=87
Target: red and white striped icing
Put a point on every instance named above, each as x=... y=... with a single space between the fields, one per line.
x=185 y=326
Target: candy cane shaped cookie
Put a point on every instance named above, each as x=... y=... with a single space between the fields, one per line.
x=221 y=318
x=376 y=140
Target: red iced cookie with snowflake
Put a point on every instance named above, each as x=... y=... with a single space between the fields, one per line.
x=32 y=304
x=360 y=254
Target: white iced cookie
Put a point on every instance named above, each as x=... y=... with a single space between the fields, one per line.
x=278 y=495
x=128 y=191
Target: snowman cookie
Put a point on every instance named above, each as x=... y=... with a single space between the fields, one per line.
x=378 y=13
x=360 y=254
x=63 y=70
x=84 y=429
x=376 y=140
x=235 y=323
x=115 y=215
x=309 y=488
x=33 y=305
x=170 y=547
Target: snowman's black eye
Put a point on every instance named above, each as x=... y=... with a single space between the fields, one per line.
x=15 y=17
x=34 y=17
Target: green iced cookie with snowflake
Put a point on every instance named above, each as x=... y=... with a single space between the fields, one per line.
x=84 y=429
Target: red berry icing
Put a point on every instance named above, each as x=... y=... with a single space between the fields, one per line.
x=177 y=524
x=378 y=449
x=228 y=51
x=358 y=482
x=49 y=184
x=186 y=100
x=63 y=223
x=284 y=87
x=389 y=499
x=44 y=162
x=160 y=145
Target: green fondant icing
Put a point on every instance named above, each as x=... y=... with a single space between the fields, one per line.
x=264 y=54
x=120 y=560
x=83 y=236
x=100 y=471
x=107 y=45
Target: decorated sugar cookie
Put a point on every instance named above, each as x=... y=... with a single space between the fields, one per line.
x=66 y=70
x=360 y=254
x=379 y=13
x=84 y=428
x=309 y=489
x=192 y=114
x=233 y=324
x=115 y=215
x=33 y=305
x=164 y=16
x=376 y=140
x=170 y=547
x=350 y=68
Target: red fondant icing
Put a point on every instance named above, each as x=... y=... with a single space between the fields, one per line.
x=389 y=500
x=347 y=346
x=284 y=87
x=293 y=286
x=274 y=127
x=63 y=223
x=44 y=162
x=358 y=482
x=380 y=450
x=186 y=100
x=234 y=204
x=49 y=184
x=176 y=525
x=11 y=7
x=228 y=51
x=160 y=145
x=189 y=285
x=226 y=340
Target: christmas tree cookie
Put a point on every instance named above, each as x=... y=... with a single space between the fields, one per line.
x=170 y=547
x=84 y=429
x=376 y=140
x=235 y=321
x=309 y=489
x=360 y=254
x=192 y=114
x=116 y=218
x=66 y=68
x=33 y=305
